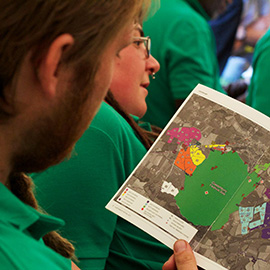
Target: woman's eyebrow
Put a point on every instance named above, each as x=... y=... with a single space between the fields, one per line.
x=140 y=30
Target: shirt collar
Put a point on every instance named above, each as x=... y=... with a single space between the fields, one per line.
x=24 y=217
x=198 y=7
x=142 y=124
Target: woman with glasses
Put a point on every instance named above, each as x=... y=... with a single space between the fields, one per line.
x=104 y=157
x=131 y=76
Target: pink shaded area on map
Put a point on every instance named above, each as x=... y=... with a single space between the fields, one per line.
x=185 y=135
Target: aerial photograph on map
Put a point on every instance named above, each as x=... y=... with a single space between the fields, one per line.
x=211 y=168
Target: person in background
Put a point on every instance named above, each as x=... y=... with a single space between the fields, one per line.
x=56 y=64
x=185 y=48
x=254 y=23
x=225 y=27
x=258 y=95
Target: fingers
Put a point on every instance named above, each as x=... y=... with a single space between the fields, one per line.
x=183 y=258
x=170 y=264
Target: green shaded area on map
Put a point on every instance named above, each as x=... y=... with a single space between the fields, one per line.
x=221 y=180
x=261 y=167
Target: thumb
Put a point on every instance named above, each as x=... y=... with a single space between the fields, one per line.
x=184 y=257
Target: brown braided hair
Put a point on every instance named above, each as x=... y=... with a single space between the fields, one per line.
x=21 y=186
x=147 y=137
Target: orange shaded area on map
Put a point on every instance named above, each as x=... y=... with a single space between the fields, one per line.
x=184 y=161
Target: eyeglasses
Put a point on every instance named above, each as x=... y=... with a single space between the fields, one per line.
x=147 y=44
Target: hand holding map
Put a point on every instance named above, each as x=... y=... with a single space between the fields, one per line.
x=182 y=259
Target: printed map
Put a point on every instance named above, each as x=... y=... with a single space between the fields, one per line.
x=211 y=168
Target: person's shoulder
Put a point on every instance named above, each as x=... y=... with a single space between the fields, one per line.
x=110 y=130
x=264 y=42
x=108 y=123
x=177 y=18
x=20 y=251
x=180 y=11
x=108 y=119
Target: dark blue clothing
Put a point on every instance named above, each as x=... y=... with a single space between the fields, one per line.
x=224 y=28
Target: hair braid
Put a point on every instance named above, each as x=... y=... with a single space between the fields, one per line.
x=21 y=186
x=147 y=137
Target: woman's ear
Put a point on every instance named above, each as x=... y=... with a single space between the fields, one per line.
x=47 y=70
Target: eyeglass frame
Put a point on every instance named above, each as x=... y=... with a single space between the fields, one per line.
x=147 y=44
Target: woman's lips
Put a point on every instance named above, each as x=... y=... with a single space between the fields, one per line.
x=145 y=85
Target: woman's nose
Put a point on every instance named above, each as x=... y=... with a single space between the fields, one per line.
x=152 y=64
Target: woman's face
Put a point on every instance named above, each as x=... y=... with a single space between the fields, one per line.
x=131 y=76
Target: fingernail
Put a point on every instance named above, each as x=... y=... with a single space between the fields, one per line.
x=180 y=246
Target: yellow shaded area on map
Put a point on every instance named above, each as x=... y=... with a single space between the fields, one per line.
x=219 y=147
x=196 y=155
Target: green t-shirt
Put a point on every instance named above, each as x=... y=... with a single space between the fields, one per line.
x=78 y=190
x=184 y=45
x=259 y=88
x=21 y=232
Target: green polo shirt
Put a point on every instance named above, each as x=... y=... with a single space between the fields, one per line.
x=21 y=232
x=78 y=190
x=184 y=45
x=259 y=88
